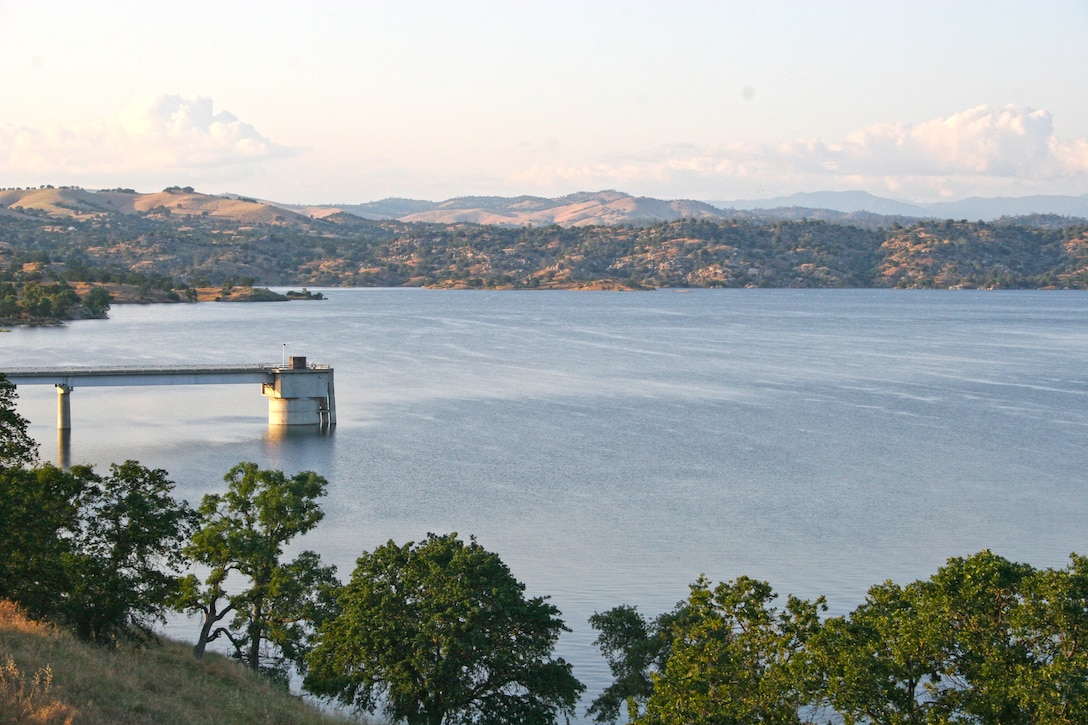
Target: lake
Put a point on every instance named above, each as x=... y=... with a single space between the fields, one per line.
x=611 y=447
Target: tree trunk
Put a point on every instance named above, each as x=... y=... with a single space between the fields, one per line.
x=211 y=617
x=255 y=630
x=202 y=640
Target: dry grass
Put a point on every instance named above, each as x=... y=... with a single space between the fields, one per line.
x=68 y=203
x=30 y=702
x=50 y=677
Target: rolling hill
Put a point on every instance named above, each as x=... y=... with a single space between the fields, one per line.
x=73 y=203
x=602 y=208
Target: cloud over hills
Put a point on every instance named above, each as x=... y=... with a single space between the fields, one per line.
x=1008 y=141
x=165 y=135
x=1011 y=149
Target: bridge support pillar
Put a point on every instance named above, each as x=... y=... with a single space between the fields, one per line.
x=64 y=448
x=299 y=395
x=64 y=406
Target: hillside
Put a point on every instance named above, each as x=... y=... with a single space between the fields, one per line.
x=582 y=209
x=74 y=203
x=204 y=241
x=47 y=676
x=612 y=208
x=608 y=208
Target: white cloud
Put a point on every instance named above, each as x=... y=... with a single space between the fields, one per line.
x=983 y=150
x=1013 y=141
x=164 y=135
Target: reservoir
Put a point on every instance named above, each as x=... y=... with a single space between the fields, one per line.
x=611 y=447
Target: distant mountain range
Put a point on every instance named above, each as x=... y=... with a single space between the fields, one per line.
x=574 y=210
x=972 y=209
x=179 y=239
x=614 y=207
x=609 y=208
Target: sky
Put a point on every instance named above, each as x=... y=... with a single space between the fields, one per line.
x=347 y=102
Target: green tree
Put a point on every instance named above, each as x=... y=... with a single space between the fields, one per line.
x=17 y=448
x=39 y=511
x=885 y=662
x=125 y=554
x=984 y=640
x=635 y=648
x=242 y=536
x=441 y=633
x=735 y=659
x=975 y=600
x=1051 y=623
x=97 y=300
x=97 y=554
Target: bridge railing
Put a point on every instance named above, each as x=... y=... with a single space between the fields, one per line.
x=137 y=369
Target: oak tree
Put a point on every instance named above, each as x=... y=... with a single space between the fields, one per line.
x=440 y=632
x=240 y=543
x=99 y=554
x=636 y=648
x=17 y=448
x=735 y=658
x=126 y=552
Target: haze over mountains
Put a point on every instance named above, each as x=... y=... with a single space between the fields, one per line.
x=973 y=208
x=607 y=208
x=613 y=207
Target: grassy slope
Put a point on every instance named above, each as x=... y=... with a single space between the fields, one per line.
x=159 y=684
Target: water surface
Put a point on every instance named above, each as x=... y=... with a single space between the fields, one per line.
x=611 y=447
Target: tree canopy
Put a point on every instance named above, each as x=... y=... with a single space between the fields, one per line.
x=636 y=648
x=734 y=659
x=100 y=554
x=17 y=448
x=984 y=640
x=242 y=534
x=440 y=633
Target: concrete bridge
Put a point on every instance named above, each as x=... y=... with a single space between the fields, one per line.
x=298 y=393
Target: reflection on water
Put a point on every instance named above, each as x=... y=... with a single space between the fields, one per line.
x=279 y=434
x=299 y=447
x=612 y=447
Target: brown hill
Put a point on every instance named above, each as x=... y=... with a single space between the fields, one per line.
x=574 y=210
x=73 y=202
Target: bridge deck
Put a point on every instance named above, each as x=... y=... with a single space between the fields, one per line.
x=151 y=374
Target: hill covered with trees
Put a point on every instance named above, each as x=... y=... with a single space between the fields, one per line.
x=179 y=240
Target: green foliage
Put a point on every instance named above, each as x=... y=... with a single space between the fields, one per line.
x=35 y=301
x=635 y=648
x=984 y=640
x=242 y=535
x=1051 y=625
x=97 y=300
x=39 y=513
x=17 y=448
x=971 y=644
x=441 y=632
x=973 y=600
x=125 y=553
x=883 y=663
x=97 y=554
x=735 y=658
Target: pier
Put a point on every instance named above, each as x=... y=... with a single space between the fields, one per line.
x=298 y=393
